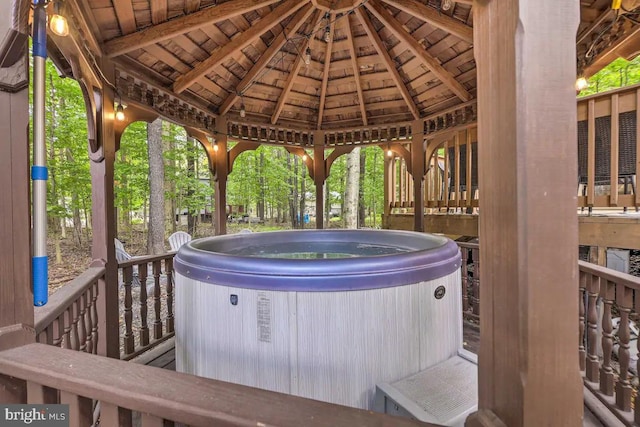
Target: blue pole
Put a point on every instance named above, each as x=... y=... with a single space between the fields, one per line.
x=39 y=172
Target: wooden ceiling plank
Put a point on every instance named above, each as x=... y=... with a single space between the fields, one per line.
x=158 y=11
x=434 y=17
x=325 y=73
x=166 y=30
x=404 y=36
x=220 y=55
x=294 y=25
x=292 y=76
x=125 y=15
x=356 y=69
x=191 y=6
x=382 y=51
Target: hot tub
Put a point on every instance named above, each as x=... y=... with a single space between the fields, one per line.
x=322 y=314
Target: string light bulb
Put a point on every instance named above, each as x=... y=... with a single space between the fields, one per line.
x=58 y=23
x=120 y=113
x=307 y=56
x=446 y=4
x=389 y=151
x=581 y=83
x=304 y=157
x=243 y=111
x=215 y=146
x=327 y=34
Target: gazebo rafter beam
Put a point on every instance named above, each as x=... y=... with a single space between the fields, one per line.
x=294 y=25
x=166 y=30
x=434 y=17
x=220 y=55
x=292 y=76
x=384 y=16
x=325 y=73
x=391 y=66
x=191 y=6
x=356 y=70
x=158 y=11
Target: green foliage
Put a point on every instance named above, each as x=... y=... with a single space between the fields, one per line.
x=617 y=74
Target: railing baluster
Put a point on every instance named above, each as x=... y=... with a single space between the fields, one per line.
x=157 y=301
x=59 y=325
x=82 y=332
x=151 y=421
x=67 y=327
x=74 y=309
x=112 y=415
x=606 y=371
x=86 y=302
x=582 y=353
x=127 y=277
x=144 y=327
x=623 y=387
x=475 y=253
x=94 y=317
x=464 y=270
x=80 y=409
x=593 y=363
x=168 y=265
x=38 y=394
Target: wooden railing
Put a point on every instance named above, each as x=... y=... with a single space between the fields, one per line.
x=470 y=273
x=81 y=380
x=609 y=303
x=609 y=310
x=146 y=281
x=608 y=145
x=70 y=319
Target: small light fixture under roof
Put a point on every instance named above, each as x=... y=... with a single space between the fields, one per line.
x=58 y=23
x=581 y=83
x=215 y=145
x=327 y=34
x=389 y=151
x=120 y=113
x=446 y=4
x=304 y=157
x=243 y=110
x=307 y=56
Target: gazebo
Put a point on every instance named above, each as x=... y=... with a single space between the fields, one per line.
x=319 y=78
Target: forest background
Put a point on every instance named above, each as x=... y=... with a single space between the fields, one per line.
x=269 y=188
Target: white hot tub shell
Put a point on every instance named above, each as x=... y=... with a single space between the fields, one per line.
x=333 y=346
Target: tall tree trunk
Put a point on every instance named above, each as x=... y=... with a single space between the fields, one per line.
x=361 y=203
x=374 y=186
x=155 y=235
x=191 y=172
x=260 y=206
x=352 y=189
x=302 y=193
x=292 y=192
x=327 y=205
x=169 y=186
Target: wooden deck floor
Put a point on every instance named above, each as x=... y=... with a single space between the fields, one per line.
x=164 y=356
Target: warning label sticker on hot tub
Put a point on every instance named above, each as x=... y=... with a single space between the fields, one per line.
x=264 y=317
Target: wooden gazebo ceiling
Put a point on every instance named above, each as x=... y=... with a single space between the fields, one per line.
x=382 y=61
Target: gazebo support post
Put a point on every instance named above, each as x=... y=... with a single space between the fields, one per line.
x=418 y=171
x=16 y=301
x=528 y=369
x=103 y=222
x=220 y=177
x=319 y=176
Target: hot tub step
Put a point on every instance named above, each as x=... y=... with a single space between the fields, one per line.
x=443 y=394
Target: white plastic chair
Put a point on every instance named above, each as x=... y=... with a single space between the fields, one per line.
x=177 y=239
